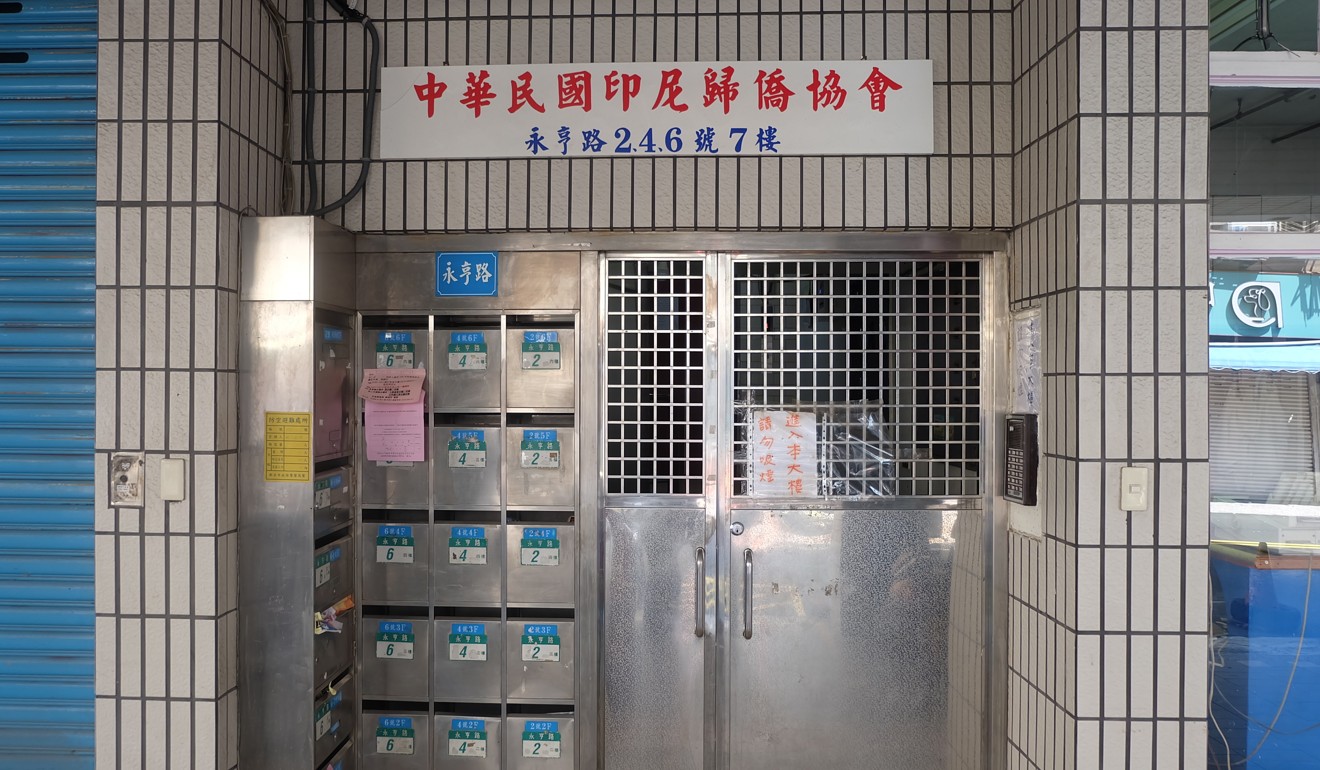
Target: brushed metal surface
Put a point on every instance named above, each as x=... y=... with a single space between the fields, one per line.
x=395 y=679
x=530 y=584
x=298 y=258
x=467 y=487
x=513 y=748
x=341 y=717
x=463 y=583
x=404 y=279
x=397 y=485
x=333 y=653
x=468 y=388
x=420 y=759
x=468 y=681
x=540 y=388
x=444 y=760
x=545 y=681
x=344 y=759
x=332 y=381
x=333 y=507
x=393 y=582
x=542 y=486
x=847 y=666
x=652 y=714
x=339 y=577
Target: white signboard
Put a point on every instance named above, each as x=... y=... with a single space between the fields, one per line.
x=649 y=109
x=782 y=461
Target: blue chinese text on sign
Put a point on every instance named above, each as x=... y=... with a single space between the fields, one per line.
x=467 y=274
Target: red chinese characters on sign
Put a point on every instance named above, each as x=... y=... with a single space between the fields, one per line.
x=669 y=91
x=430 y=92
x=625 y=86
x=771 y=93
x=522 y=96
x=575 y=90
x=775 y=435
x=878 y=84
x=721 y=89
x=478 y=94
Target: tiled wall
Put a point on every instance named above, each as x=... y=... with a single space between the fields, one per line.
x=965 y=184
x=187 y=124
x=1107 y=618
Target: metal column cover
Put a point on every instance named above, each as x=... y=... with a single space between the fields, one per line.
x=47 y=315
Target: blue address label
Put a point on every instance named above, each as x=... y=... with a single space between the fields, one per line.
x=467 y=435
x=542 y=727
x=335 y=554
x=468 y=532
x=541 y=533
x=467 y=724
x=396 y=336
x=332 y=334
x=394 y=531
x=396 y=628
x=396 y=723
x=335 y=700
x=467 y=338
x=468 y=628
x=540 y=336
x=334 y=482
x=545 y=630
x=540 y=435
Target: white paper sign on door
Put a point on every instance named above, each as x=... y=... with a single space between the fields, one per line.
x=781 y=458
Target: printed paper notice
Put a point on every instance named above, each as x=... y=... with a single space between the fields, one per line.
x=288 y=446
x=395 y=432
x=782 y=456
x=392 y=386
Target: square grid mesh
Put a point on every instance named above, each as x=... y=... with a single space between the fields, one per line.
x=654 y=376
x=886 y=353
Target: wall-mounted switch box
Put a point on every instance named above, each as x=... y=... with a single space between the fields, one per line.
x=1134 y=490
x=127 y=478
x=173 y=479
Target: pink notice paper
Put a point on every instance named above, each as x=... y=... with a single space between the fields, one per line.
x=395 y=432
x=392 y=386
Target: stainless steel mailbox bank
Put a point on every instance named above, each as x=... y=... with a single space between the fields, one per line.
x=416 y=609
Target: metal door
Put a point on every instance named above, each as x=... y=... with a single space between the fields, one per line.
x=750 y=625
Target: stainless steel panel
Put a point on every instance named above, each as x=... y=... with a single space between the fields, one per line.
x=846 y=664
x=394 y=678
x=653 y=667
x=458 y=753
x=344 y=759
x=534 y=577
x=529 y=754
x=332 y=426
x=298 y=258
x=542 y=486
x=398 y=485
x=540 y=388
x=457 y=574
x=332 y=654
x=334 y=717
x=332 y=501
x=538 y=280
x=332 y=567
x=387 y=575
x=468 y=388
x=533 y=673
x=459 y=674
x=466 y=487
x=383 y=748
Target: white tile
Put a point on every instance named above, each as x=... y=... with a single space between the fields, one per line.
x=1089 y=391
x=205 y=719
x=1143 y=414
x=1088 y=676
x=1196 y=659
x=1115 y=590
x=157 y=728
x=107 y=655
x=181 y=571
x=204 y=647
x=1088 y=598
x=107 y=399
x=153 y=575
x=1116 y=415
x=1197 y=579
x=1115 y=676
x=180 y=749
x=1141 y=742
x=1142 y=579
x=1168 y=679
x=130 y=733
x=107 y=732
x=204 y=575
x=130 y=657
x=1198 y=503
x=179 y=401
x=156 y=657
x=130 y=585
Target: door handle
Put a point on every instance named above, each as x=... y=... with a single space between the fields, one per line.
x=701 y=592
x=747 y=593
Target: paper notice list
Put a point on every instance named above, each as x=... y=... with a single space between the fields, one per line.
x=394 y=414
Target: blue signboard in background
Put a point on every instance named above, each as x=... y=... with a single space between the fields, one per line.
x=467 y=274
x=1265 y=305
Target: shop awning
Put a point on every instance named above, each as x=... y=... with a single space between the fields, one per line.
x=1266 y=356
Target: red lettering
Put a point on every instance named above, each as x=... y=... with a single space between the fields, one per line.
x=478 y=93
x=771 y=93
x=575 y=90
x=430 y=92
x=669 y=91
x=522 y=94
x=625 y=85
x=827 y=93
x=720 y=89
x=878 y=83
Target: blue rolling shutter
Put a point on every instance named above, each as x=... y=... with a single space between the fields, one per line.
x=47 y=375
